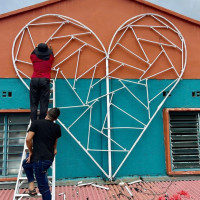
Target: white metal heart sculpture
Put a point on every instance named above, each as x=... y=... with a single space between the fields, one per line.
x=112 y=92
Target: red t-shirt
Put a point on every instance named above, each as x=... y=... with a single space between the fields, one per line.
x=41 y=68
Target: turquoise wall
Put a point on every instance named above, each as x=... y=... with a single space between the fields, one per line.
x=148 y=158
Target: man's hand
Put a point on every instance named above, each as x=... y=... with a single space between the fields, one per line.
x=55 y=151
x=28 y=160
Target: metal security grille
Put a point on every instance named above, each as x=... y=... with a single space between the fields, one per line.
x=12 y=135
x=184 y=140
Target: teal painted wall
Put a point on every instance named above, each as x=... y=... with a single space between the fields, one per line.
x=148 y=158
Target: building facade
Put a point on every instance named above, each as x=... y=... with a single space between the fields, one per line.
x=126 y=80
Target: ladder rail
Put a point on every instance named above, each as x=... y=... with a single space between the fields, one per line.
x=17 y=186
x=53 y=193
x=17 y=195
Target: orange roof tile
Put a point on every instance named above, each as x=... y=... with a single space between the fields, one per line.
x=185 y=189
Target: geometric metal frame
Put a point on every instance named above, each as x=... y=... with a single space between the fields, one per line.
x=107 y=59
x=129 y=24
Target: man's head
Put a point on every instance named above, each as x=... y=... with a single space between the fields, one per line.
x=42 y=51
x=53 y=113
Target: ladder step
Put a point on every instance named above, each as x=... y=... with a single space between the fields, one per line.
x=25 y=178
x=27 y=195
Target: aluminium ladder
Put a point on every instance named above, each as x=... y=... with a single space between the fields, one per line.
x=22 y=179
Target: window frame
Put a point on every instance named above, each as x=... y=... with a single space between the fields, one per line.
x=166 y=122
x=14 y=178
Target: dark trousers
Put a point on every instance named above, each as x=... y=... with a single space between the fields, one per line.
x=39 y=168
x=39 y=94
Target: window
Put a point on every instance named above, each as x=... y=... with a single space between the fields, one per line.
x=13 y=128
x=182 y=141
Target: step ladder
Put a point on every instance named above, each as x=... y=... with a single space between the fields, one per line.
x=21 y=179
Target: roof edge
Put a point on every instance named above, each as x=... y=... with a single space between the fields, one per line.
x=144 y=2
x=28 y=8
x=168 y=11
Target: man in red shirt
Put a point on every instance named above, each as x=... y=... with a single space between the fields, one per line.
x=42 y=58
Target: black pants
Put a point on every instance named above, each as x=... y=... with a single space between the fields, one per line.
x=39 y=94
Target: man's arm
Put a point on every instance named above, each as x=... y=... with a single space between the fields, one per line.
x=29 y=143
x=55 y=147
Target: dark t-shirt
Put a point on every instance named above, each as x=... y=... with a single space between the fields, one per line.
x=46 y=133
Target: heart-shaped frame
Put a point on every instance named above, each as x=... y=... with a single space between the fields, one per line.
x=104 y=83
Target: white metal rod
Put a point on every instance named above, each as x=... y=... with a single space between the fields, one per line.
x=72 y=88
x=105 y=150
x=139 y=18
x=128 y=114
x=91 y=84
x=63 y=46
x=119 y=39
x=106 y=114
x=81 y=115
x=90 y=68
x=24 y=62
x=124 y=128
x=137 y=181
x=89 y=45
x=164 y=23
x=103 y=126
x=54 y=162
x=22 y=36
x=108 y=119
x=106 y=95
x=169 y=60
x=88 y=142
x=183 y=56
x=106 y=75
x=149 y=26
x=158 y=73
x=166 y=38
x=57 y=73
x=78 y=24
x=84 y=184
x=159 y=43
x=128 y=190
x=69 y=56
x=148 y=107
x=76 y=34
x=31 y=37
x=163 y=90
x=99 y=186
x=23 y=74
x=125 y=80
x=138 y=41
x=133 y=95
x=47 y=23
x=110 y=139
x=68 y=107
x=133 y=53
x=78 y=142
x=77 y=64
x=55 y=32
x=126 y=64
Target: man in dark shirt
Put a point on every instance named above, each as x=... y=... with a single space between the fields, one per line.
x=41 y=142
x=42 y=58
